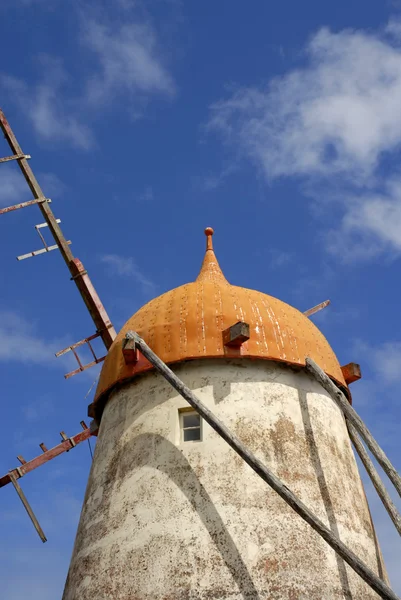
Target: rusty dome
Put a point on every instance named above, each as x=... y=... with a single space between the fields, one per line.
x=187 y=323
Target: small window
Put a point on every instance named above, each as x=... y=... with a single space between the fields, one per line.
x=191 y=426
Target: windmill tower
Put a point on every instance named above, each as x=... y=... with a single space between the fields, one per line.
x=171 y=511
x=176 y=505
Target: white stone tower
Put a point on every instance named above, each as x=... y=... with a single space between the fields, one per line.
x=170 y=511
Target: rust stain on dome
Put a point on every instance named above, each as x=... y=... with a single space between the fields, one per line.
x=187 y=323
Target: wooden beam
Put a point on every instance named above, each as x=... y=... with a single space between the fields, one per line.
x=375 y=477
x=27 y=507
x=356 y=421
x=264 y=473
x=236 y=335
x=351 y=372
x=76 y=268
x=46 y=456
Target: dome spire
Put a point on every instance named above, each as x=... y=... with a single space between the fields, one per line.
x=210 y=270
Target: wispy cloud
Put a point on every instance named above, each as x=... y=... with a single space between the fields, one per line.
x=280 y=258
x=46 y=107
x=146 y=196
x=120 y=61
x=334 y=117
x=130 y=62
x=384 y=359
x=14 y=189
x=20 y=341
x=127 y=267
x=213 y=181
x=41 y=408
x=371 y=223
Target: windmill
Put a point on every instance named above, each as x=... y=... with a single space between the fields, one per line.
x=131 y=355
x=103 y=326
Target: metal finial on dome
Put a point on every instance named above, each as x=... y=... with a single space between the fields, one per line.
x=209 y=231
x=210 y=270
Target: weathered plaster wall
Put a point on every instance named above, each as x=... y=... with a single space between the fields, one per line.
x=169 y=520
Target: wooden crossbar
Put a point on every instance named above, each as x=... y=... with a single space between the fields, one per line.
x=27 y=507
x=14 y=157
x=72 y=349
x=23 y=205
x=47 y=455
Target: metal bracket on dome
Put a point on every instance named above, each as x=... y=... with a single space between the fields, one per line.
x=81 y=366
x=236 y=335
x=351 y=372
x=130 y=350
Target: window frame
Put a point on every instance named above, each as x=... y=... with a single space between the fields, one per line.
x=183 y=412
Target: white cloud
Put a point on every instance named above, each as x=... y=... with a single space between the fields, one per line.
x=126 y=267
x=127 y=62
x=330 y=123
x=20 y=342
x=385 y=359
x=14 y=189
x=393 y=27
x=371 y=223
x=44 y=105
x=337 y=115
x=130 y=62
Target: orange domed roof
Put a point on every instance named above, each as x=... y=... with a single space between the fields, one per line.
x=187 y=323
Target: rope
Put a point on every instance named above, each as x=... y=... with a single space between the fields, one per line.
x=90 y=448
x=87 y=394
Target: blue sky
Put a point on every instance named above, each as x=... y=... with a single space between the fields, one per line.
x=279 y=124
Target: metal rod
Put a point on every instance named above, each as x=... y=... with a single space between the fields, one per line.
x=356 y=421
x=316 y=308
x=27 y=507
x=375 y=477
x=260 y=469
